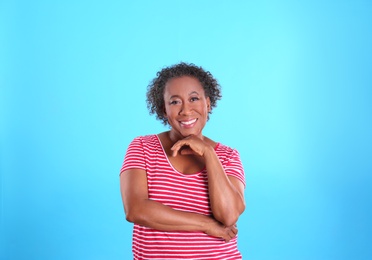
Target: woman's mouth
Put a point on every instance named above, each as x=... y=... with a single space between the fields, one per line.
x=189 y=123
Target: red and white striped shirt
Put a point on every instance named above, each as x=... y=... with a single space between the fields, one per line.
x=185 y=192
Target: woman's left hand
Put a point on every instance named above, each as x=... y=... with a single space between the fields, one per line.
x=190 y=145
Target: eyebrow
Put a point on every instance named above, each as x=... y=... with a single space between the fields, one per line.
x=191 y=93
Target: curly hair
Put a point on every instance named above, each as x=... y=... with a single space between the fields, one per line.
x=155 y=90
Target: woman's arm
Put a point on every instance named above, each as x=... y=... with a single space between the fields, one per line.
x=140 y=210
x=226 y=193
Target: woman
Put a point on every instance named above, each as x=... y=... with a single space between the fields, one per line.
x=183 y=191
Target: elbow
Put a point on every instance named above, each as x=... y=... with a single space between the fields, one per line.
x=227 y=219
x=137 y=215
x=133 y=216
x=231 y=218
x=129 y=217
x=135 y=212
x=229 y=223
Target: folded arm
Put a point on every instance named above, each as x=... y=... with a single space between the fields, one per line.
x=226 y=193
x=141 y=210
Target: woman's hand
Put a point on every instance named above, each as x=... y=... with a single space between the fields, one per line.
x=190 y=145
x=216 y=229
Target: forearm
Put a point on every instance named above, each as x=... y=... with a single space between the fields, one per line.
x=226 y=202
x=158 y=216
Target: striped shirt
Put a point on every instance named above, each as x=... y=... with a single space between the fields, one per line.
x=185 y=192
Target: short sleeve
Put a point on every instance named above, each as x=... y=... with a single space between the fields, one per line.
x=134 y=157
x=234 y=166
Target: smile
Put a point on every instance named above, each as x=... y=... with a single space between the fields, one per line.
x=188 y=123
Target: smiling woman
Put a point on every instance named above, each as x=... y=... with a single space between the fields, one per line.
x=183 y=191
x=186 y=106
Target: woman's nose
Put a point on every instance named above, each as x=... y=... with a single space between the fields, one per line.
x=185 y=109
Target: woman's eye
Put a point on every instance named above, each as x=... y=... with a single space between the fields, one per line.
x=174 y=102
x=194 y=99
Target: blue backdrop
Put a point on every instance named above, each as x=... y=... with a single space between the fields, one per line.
x=297 y=89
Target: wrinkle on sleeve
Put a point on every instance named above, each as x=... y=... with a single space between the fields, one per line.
x=234 y=166
x=134 y=157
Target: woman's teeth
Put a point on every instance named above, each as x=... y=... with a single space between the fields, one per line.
x=188 y=122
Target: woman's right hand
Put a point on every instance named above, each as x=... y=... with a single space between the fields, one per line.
x=216 y=229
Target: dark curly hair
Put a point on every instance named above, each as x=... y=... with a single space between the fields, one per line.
x=155 y=90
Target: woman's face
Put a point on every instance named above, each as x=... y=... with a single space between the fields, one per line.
x=186 y=106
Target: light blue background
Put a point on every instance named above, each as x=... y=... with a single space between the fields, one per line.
x=297 y=87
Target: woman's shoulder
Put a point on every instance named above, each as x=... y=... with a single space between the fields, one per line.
x=225 y=152
x=224 y=148
x=217 y=145
x=146 y=139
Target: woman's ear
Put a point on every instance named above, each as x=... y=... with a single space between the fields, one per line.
x=209 y=104
x=165 y=113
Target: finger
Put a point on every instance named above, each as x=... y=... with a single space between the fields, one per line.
x=187 y=144
x=232 y=234
x=174 y=151
x=182 y=148
x=176 y=148
x=186 y=151
x=228 y=234
x=234 y=229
